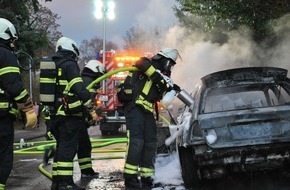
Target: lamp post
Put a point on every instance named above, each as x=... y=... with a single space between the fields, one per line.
x=104 y=9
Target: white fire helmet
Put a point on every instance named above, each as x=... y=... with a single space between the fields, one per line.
x=169 y=53
x=96 y=66
x=7 y=30
x=68 y=44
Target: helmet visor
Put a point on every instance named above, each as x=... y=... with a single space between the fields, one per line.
x=76 y=50
x=13 y=36
x=168 y=66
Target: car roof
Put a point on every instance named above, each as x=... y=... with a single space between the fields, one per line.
x=232 y=77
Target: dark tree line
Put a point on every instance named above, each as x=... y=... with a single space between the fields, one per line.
x=231 y=14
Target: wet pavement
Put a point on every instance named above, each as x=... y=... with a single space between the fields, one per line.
x=28 y=134
x=26 y=174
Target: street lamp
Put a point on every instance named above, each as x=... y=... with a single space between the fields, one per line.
x=104 y=9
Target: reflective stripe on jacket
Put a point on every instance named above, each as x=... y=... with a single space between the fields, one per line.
x=12 y=88
x=70 y=85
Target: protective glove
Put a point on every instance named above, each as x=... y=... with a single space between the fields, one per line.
x=27 y=108
x=31 y=119
x=94 y=115
x=176 y=88
x=159 y=81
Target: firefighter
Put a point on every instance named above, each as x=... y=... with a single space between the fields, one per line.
x=48 y=122
x=71 y=99
x=12 y=93
x=150 y=84
x=92 y=70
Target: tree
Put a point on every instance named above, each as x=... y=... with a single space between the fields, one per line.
x=134 y=38
x=138 y=39
x=44 y=23
x=89 y=49
x=37 y=30
x=35 y=23
x=18 y=13
x=231 y=14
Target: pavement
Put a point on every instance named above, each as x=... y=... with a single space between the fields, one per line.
x=28 y=134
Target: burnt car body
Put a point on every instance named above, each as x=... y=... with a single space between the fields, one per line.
x=239 y=122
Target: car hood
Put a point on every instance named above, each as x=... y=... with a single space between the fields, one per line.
x=246 y=127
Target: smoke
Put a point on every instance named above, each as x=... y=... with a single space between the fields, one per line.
x=201 y=57
x=156 y=13
x=202 y=53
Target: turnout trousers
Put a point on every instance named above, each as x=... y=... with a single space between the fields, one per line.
x=141 y=150
x=66 y=132
x=6 y=148
x=85 y=150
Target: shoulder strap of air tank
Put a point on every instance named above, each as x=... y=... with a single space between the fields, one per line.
x=156 y=111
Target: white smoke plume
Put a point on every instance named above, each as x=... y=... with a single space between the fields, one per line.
x=200 y=57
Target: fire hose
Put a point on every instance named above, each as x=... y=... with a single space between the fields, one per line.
x=38 y=147
x=102 y=143
x=110 y=74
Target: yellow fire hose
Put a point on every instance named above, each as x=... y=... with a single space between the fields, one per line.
x=39 y=149
x=106 y=142
x=110 y=74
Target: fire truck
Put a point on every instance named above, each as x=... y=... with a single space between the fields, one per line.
x=112 y=118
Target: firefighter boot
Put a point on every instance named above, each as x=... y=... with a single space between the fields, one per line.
x=132 y=183
x=147 y=183
x=54 y=186
x=48 y=154
x=89 y=173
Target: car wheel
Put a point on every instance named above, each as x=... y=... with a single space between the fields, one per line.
x=189 y=169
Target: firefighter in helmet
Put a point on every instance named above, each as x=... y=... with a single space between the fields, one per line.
x=12 y=93
x=150 y=84
x=72 y=97
x=92 y=70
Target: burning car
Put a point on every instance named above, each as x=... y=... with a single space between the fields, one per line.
x=239 y=122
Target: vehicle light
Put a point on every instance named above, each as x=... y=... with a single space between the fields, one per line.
x=136 y=58
x=103 y=98
x=211 y=136
x=98 y=103
x=120 y=64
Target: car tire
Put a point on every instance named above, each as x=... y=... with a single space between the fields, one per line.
x=189 y=168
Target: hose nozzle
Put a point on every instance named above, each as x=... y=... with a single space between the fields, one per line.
x=185 y=98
